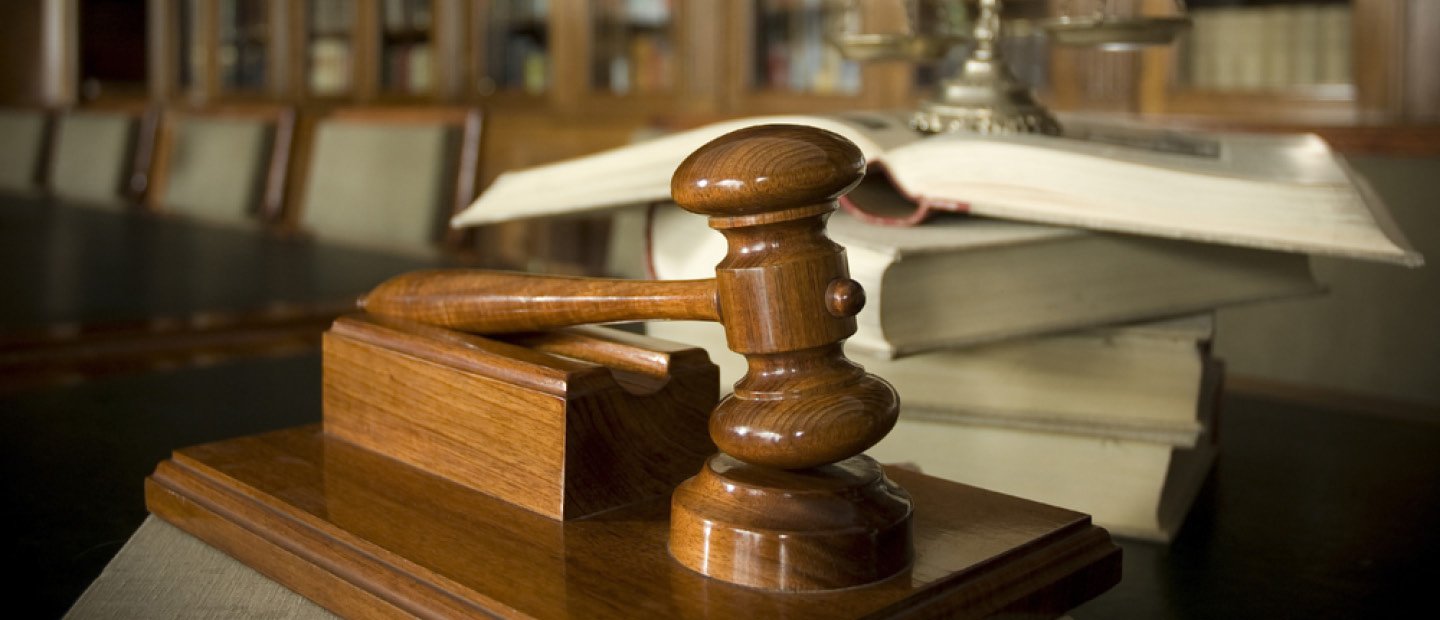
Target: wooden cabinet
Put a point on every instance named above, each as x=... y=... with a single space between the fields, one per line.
x=509 y=50
x=779 y=59
x=218 y=49
x=1309 y=62
x=696 y=59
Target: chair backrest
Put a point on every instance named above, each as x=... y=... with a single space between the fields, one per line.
x=388 y=176
x=101 y=156
x=516 y=139
x=227 y=163
x=22 y=151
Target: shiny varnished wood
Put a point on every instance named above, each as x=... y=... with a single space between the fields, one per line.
x=366 y=536
x=499 y=302
x=821 y=528
x=466 y=448
x=784 y=295
x=617 y=420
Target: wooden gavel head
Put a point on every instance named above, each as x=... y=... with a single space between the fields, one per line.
x=783 y=294
x=785 y=297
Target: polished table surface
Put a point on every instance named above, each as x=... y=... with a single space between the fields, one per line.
x=1313 y=511
x=69 y=264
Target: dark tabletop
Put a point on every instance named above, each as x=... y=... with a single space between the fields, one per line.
x=62 y=263
x=1311 y=512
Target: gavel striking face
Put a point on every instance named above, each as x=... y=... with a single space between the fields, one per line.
x=782 y=293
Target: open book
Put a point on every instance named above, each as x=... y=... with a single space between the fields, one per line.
x=1287 y=193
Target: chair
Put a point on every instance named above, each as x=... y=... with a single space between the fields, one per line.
x=388 y=177
x=228 y=163
x=22 y=154
x=101 y=156
x=517 y=139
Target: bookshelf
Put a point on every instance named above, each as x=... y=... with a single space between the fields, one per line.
x=328 y=48
x=243 y=52
x=511 y=49
x=637 y=60
x=779 y=59
x=406 y=36
x=1294 y=62
x=218 y=49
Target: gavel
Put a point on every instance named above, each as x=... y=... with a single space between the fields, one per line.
x=785 y=298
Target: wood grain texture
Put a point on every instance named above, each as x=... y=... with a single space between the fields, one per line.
x=825 y=528
x=782 y=292
x=498 y=302
x=786 y=298
x=562 y=436
x=767 y=168
x=784 y=295
x=368 y=537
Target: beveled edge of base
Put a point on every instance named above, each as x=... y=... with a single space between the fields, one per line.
x=834 y=527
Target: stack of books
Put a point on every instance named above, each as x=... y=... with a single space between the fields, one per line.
x=1053 y=340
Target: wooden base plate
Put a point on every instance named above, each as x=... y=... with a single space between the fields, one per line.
x=367 y=536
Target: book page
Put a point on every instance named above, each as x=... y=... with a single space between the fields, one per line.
x=640 y=173
x=1318 y=209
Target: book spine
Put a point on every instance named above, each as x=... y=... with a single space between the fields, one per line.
x=1334 y=27
x=1307 y=46
x=1248 y=48
x=1279 y=32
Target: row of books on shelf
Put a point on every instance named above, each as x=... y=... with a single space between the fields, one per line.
x=331 y=61
x=1269 y=47
x=1044 y=305
x=331 y=17
x=793 y=55
x=409 y=68
x=643 y=62
x=406 y=15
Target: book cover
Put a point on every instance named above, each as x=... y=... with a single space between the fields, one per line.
x=1137 y=382
x=962 y=281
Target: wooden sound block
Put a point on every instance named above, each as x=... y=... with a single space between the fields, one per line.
x=365 y=535
x=565 y=423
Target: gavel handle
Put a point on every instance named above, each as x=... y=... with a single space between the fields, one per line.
x=499 y=302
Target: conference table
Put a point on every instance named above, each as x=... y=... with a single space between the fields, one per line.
x=64 y=263
x=90 y=290
x=96 y=298
x=1317 y=507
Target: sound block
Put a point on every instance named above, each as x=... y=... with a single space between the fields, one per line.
x=369 y=536
x=566 y=423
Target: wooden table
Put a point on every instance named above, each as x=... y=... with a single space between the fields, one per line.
x=1312 y=511
x=88 y=291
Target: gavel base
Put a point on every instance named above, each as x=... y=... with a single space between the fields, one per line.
x=837 y=526
x=368 y=536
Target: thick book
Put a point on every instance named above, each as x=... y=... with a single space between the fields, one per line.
x=1134 y=382
x=1134 y=488
x=1282 y=192
x=961 y=281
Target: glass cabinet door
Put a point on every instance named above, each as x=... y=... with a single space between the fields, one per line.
x=329 y=47
x=790 y=51
x=243 y=45
x=407 y=47
x=633 y=47
x=1256 y=47
x=513 y=47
